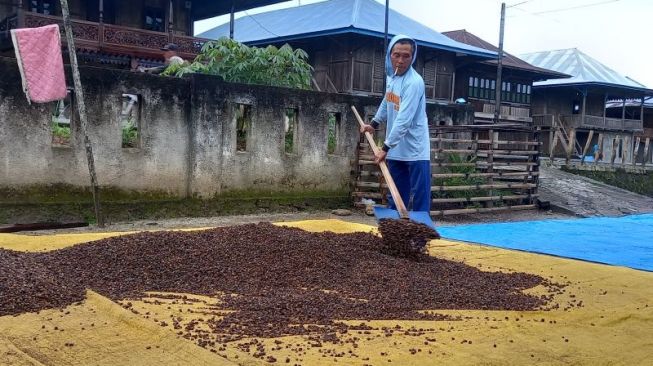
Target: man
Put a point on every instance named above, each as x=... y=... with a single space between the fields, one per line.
x=406 y=149
x=170 y=56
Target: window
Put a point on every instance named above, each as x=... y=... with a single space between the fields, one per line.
x=482 y=88
x=130 y=121
x=62 y=116
x=242 y=119
x=291 y=118
x=333 y=132
x=154 y=19
x=45 y=7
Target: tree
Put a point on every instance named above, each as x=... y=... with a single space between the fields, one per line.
x=239 y=63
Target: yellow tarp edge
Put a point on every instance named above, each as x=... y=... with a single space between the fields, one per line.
x=605 y=316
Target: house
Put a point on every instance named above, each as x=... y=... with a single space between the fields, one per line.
x=120 y=32
x=345 y=43
x=575 y=112
x=476 y=82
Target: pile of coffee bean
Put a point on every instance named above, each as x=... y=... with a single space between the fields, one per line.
x=405 y=238
x=276 y=280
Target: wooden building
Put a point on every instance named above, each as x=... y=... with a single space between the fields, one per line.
x=574 y=112
x=117 y=31
x=476 y=82
x=345 y=42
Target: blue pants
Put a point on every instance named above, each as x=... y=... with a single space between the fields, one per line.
x=413 y=180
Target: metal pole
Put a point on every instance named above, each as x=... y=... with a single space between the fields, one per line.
x=385 y=38
x=497 y=107
x=79 y=94
x=231 y=21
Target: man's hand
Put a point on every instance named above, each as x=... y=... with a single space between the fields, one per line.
x=379 y=156
x=367 y=128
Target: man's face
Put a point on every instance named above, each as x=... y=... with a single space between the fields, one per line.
x=401 y=57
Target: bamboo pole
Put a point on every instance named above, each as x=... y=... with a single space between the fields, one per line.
x=646 y=144
x=81 y=106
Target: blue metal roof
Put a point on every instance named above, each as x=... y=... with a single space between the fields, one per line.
x=584 y=70
x=336 y=17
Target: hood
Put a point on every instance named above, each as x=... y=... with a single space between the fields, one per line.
x=388 y=64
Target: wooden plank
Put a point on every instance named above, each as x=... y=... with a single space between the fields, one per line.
x=454 y=151
x=600 y=142
x=482 y=199
x=554 y=144
x=646 y=144
x=587 y=145
x=613 y=156
x=482 y=186
x=482 y=209
x=368 y=194
x=570 y=144
x=474 y=175
x=468 y=141
x=635 y=151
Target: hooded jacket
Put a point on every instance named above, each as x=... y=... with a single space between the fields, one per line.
x=404 y=110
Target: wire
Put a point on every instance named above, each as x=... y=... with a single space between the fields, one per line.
x=523 y=2
x=575 y=7
x=261 y=25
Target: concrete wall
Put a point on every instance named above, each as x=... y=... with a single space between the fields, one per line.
x=187 y=136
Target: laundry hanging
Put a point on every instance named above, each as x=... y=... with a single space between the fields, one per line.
x=38 y=51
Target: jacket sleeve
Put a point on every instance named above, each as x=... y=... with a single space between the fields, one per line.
x=411 y=97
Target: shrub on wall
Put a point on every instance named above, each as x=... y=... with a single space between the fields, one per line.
x=236 y=62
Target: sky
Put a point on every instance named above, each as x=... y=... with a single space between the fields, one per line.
x=614 y=32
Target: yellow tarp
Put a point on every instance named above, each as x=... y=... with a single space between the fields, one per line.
x=605 y=318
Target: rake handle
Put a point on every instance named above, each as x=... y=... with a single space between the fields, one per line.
x=394 y=192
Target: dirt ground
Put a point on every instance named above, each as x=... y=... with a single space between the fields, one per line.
x=357 y=216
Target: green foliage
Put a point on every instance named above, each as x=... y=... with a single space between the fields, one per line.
x=641 y=183
x=289 y=139
x=129 y=135
x=331 y=137
x=60 y=133
x=459 y=181
x=242 y=126
x=236 y=62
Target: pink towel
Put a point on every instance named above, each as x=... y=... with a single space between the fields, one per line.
x=38 y=51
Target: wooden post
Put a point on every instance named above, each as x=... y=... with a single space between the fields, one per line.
x=171 y=15
x=613 y=156
x=554 y=143
x=79 y=94
x=232 y=20
x=644 y=161
x=600 y=142
x=605 y=102
x=635 y=151
x=570 y=144
x=587 y=145
x=626 y=149
x=101 y=22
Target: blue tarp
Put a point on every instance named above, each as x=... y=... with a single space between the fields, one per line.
x=622 y=241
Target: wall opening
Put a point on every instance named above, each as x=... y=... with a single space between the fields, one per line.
x=61 y=123
x=243 y=120
x=333 y=133
x=130 y=120
x=291 y=124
